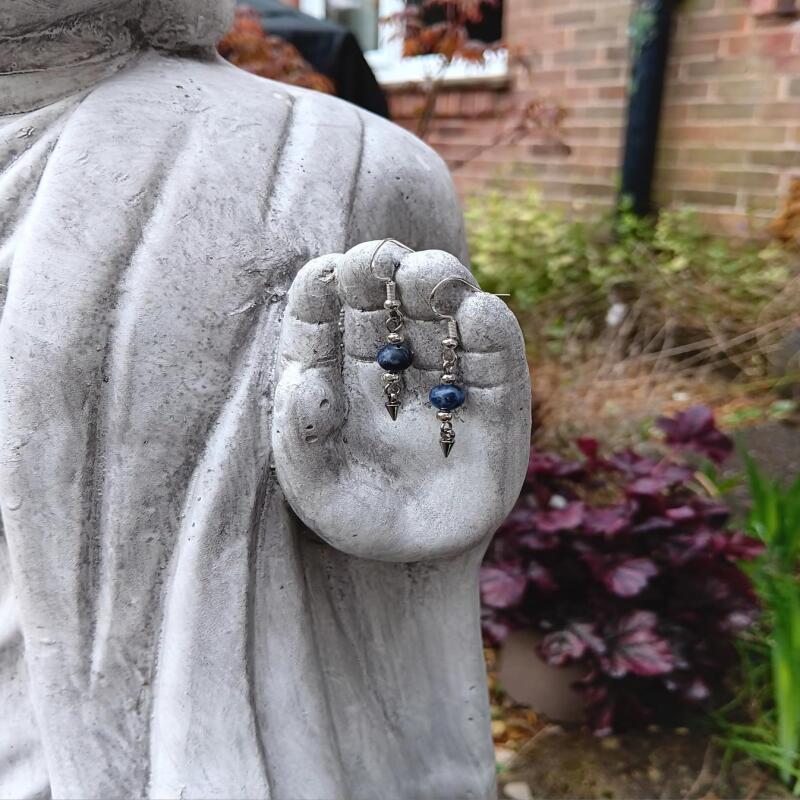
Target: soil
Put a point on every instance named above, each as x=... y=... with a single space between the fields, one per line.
x=557 y=764
x=774 y=446
x=542 y=761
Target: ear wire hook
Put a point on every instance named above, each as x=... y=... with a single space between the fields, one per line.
x=449 y=317
x=448 y=280
x=395 y=356
x=448 y=395
x=377 y=250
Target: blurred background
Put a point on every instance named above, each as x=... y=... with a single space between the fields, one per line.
x=630 y=173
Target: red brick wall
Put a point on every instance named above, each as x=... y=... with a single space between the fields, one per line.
x=731 y=130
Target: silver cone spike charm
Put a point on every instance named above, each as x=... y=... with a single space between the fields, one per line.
x=446 y=445
x=395 y=356
x=392 y=385
x=447 y=396
x=447 y=436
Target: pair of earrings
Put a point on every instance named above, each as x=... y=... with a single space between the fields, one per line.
x=395 y=357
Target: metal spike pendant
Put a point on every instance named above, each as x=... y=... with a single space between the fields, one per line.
x=392 y=408
x=446 y=446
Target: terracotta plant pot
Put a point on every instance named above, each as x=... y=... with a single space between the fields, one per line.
x=531 y=682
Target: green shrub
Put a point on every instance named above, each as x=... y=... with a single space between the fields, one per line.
x=565 y=274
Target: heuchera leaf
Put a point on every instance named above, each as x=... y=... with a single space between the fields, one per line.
x=549 y=465
x=608 y=520
x=681 y=513
x=629 y=577
x=627 y=570
x=562 y=647
x=632 y=464
x=495 y=628
x=537 y=540
x=638 y=648
x=647 y=487
x=694 y=429
x=560 y=519
x=541 y=578
x=502 y=586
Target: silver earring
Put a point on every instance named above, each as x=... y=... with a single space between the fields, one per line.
x=395 y=356
x=448 y=395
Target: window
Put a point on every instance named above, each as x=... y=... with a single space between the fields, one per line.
x=383 y=48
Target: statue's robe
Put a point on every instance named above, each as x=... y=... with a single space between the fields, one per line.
x=166 y=629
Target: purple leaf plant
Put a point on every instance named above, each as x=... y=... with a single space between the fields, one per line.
x=626 y=568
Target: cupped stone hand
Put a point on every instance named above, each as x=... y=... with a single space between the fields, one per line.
x=379 y=488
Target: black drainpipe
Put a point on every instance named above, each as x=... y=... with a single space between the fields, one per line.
x=651 y=27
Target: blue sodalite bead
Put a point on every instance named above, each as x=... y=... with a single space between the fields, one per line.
x=447 y=396
x=395 y=357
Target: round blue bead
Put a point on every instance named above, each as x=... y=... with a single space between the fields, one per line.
x=394 y=357
x=447 y=396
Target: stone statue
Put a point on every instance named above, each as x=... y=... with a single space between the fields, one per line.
x=224 y=570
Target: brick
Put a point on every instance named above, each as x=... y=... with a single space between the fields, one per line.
x=706 y=177
x=591 y=132
x=724 y=68
x=599 y=74
x=617 y=53
x=761 y=43
x=549 y=77
x=599 y=112
x=537 y=37
x=585 y=172
x=711 y=156
x=780 y=112
x=731 y=135
x=687 y=48
x=596 y=154
x=681 y=92
x=794 y=87
x=786 y=64
x=765 y=181
x=619 y=14
x=722 y=111
x=775 y=158
x=596 y=35
x=667 y=156
x=581 y=17
x=574 y=57
x=717 y=23
x=705 y=198
x=756 y=203
x=601 y=190
x=612 y=92
x=668 y=176
x=748 y=91
x=572 y=95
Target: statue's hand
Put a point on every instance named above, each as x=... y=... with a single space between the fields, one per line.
x=379 y=488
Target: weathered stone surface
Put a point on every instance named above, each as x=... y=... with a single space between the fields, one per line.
x=168 y=628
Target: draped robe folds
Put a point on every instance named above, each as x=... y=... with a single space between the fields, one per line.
x=166 y=628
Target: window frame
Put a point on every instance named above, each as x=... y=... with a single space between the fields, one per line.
x=393 y=70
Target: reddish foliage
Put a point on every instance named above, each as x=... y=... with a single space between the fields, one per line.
x=248 y=46
x=695 y=430
x=448 y=38
x=643 y=589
